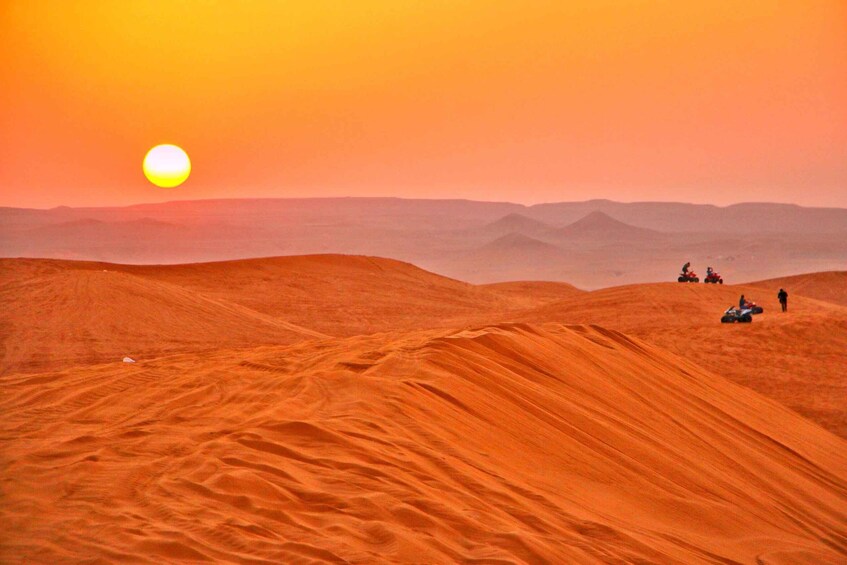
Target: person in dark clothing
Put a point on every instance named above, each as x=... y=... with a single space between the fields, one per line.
x=685 y=267
x=741 y=302
x=783 y=299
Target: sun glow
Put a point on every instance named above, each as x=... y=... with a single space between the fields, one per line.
x=167 y=166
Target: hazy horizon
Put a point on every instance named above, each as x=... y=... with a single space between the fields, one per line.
x=526 y=204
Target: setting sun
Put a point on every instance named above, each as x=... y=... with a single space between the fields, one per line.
x=167 y=166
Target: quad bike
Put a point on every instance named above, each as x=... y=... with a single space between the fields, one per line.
x=713 y=278
x=733 y=315
x=690 y=276
x=753 y=307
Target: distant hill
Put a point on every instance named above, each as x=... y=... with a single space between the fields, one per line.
x=600 y=228
x=516 y=223
x=605 y=243
x=745 y=218
x=504 y=246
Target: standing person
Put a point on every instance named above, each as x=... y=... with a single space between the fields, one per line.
x=685 y=267
x=741 y=302
x=783 y=299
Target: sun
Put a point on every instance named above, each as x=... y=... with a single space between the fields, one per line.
x=167 y=166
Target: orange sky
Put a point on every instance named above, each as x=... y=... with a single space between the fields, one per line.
x=535 y=101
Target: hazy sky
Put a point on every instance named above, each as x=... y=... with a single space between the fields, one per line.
x=524 y=101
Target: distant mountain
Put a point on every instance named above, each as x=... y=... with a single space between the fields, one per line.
x=603 y=228
x=87 y=227
x=516 y=223
x=591 y=244
x=520 y=243
x=678 y=217
x=452 y=214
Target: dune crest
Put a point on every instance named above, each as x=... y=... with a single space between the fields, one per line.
x=796 y=359
x=828 y=286
x=509 y=443
x=97 y=312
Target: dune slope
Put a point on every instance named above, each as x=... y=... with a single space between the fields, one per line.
x=341 y=295
x=503 y=444
x=58 y=314
x=829 y=286
x=796 y=358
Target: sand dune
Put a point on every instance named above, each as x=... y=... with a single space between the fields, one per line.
x=60 y=314
x=440 y=422
x=830 y=286
x=797 y=359
x=535 y=293
x=340 y=295
x=88 y=316
x=503 y=444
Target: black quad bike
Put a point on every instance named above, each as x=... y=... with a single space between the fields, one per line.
x=734 y=315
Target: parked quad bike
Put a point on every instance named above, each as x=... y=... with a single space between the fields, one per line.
x=733 y=315
x=714 y=278
x=690 y=276
x=753 y=307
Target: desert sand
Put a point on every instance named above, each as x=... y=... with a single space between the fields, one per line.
x=830 y=286
x=798 y=359
x=354 y=409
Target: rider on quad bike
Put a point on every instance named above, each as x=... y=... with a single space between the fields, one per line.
x=712 y=276
x=686 y=275
x=734 y=315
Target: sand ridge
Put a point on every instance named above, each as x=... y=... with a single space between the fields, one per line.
x=828 y=286
x=98 y=312
x=501 y=443
x=795 y=358
x=57 y=315
x=440 y=422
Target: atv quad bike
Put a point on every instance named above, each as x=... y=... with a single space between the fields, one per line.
x=714 y=278
x=733 y=315
x=753 y=307
x=690 y=276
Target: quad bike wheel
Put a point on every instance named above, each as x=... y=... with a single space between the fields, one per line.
x=680 y=279
x=746 y=319
x=720 y=281
x=727 y=320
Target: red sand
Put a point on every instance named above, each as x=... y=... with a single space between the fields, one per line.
x=830 y=286
x=797 y=358
x=500 y=443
